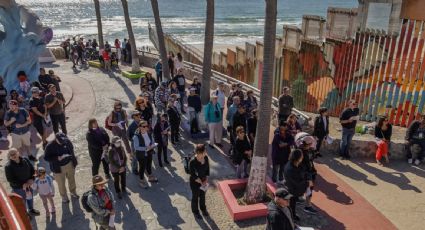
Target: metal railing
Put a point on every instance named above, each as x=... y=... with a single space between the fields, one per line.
x=9 y=216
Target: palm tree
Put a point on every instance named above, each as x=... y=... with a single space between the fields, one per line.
x=161 y=40
x=256 y=188
x=208 y=49
x=135 y=65
x=99 y=23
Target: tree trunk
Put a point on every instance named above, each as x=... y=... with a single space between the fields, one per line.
x=208 y=50
x=256 y=188
x=135 y=65
x=161 y=40
x=99 y=24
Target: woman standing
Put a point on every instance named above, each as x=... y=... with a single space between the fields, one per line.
x=118 y=48
x=98 y=142
x=321 y=128
x=117 y=163
x=199 y=171
x=197 y=85
x=175 y=119
x=178 y=61
x=251 y=101
x=243 y=153
x=213 y=118
x=161 y=132
x=171 y=63
x=293 y=126
x=118 y=121
x=383 y=132
x=144 y=146
x=295 y=179
x=146 y=112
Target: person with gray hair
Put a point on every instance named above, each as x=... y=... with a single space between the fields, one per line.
x=117 y=162
x=213 y=117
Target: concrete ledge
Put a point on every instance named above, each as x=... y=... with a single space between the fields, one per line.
x=131 y=75
x=242 y=212
x=95 y=64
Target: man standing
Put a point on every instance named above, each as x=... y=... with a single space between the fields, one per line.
x=20 y=175
x=158 y=70
x=60 y=155
x=279 y=216
x=161 y=97
x=39 y=111
x=19 y=122
x=181 y=86
x=348 y=120
x=286 y=103
x=55 y=104
x=136 y=116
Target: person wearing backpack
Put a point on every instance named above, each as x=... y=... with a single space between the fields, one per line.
x=100 y=202
x=118 y=122
x=199 y=171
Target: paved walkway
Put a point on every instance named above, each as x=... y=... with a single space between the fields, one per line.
x=166 y=205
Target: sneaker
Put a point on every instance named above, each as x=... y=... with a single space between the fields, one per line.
x=197 y=215
x=34 y=212
x=417 y=162
x=47 y=214
x=310 y=210
x=32 y=158
x=53 y=210
x=410 y=161
x=75 y=195
x=211 y=146
x=143 y=184
x=65 y=200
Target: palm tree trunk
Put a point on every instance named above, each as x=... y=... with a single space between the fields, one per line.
x=99 y=24
x=161 y=40
x=135 y=65
x=208 y=49
x=256 y=188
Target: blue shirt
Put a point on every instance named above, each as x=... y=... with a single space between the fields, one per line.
x=21 y=118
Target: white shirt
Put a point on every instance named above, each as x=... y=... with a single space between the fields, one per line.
x=43 y=186
x=325 y=125
x=221 y=98
x=178 y=64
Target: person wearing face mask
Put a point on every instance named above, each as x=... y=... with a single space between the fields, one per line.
x=61 y=157
x=119 y=123
x=144 y=145
x=98 y=142
x=117 y=163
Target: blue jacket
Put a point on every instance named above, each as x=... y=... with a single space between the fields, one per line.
x=131 y=130
x=230 y=113
x=210 y=113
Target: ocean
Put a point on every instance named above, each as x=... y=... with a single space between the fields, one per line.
x=236 y=21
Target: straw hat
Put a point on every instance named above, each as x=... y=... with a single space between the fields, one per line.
x=99 y=180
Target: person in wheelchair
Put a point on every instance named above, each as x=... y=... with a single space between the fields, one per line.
x=415 y=141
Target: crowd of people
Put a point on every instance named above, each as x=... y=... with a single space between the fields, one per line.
x=134 y=137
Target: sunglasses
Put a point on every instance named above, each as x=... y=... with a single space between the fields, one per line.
x=143 y=126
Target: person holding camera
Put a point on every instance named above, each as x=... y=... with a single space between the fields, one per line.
x=213 y=117
x=55 y=103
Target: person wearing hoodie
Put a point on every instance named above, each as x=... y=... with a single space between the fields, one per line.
x=295 y=179
x=279 y=215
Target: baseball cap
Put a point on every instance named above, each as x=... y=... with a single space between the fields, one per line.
x=283 y=194
x=35 y=90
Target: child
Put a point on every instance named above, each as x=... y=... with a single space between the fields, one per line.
x=43 y=184
x=161 y=132
x=24 y=85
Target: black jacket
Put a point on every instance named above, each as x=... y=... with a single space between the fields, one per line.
x=54 y=150
x=195 y=102
x=157 y=133
x=379 y=133
x=173 y=116
x=319 y=127
x=95 y=141
x=295 y=179
x=18 y=174
x=240 y=147
x=276 y=218
x=239 y=120
x=286 y=103
x=413 y=127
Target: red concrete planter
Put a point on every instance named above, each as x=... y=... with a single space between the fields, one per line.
x=242 y=212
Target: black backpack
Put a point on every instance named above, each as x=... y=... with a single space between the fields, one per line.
x=186 y=161
x=84 y=201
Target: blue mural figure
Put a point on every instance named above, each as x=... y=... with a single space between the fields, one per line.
x=21 y=42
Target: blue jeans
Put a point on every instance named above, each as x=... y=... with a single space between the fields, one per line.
x=347 y=136
x=29 y=203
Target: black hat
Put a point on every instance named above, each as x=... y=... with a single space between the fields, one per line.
x=283 y=194
x=61 y=137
